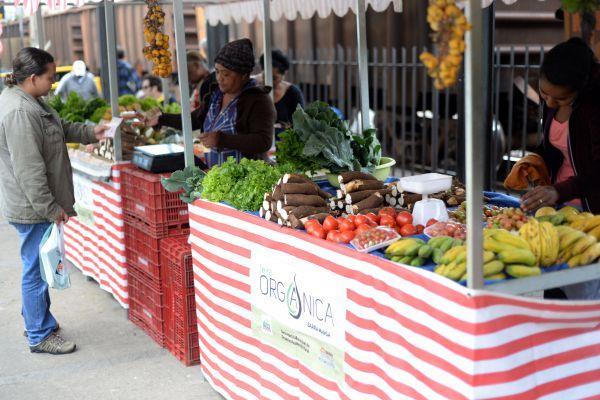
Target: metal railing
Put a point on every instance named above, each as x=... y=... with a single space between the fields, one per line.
x=417 y=124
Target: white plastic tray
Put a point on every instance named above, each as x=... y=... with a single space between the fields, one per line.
x=426 y=183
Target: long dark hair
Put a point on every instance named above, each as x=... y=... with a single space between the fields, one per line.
x=571 y=64
x=29 y=61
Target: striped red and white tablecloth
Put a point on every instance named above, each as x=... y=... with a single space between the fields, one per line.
x=97 y=246
x=408 y=333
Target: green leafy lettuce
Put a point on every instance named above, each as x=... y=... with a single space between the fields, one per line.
x=189 y=180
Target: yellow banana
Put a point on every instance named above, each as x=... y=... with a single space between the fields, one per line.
x=569 y=239
x=550 y=243
x=492 y=268
x=583 y=243
x=495 y=277
x=522 y=271
x=511 y=240
x=451 y=254
x=575 y=261
x=519 y=256
x=488 y=256
x=595 y=232
x=563 y=230
x=579 y=223
x=591 y=254
x=592 y=223
x=456 y=271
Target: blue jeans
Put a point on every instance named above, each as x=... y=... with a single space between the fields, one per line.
x=39 y=322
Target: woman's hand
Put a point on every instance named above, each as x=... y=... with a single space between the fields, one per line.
x=99 y=131
x=150 y=120
x=210 y=139
x=61 y=218
x=539 y=197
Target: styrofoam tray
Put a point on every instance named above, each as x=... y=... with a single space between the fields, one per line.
x=426 y=183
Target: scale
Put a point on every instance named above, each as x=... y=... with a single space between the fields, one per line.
x=425 y=185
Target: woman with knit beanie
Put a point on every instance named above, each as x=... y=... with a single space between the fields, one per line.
x=239 y=120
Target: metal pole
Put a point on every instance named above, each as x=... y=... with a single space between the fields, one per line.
x=184 y=87
x=267 y=45
x=111 y=51
x=474 y=109
x=39 y=28
x=363 y=66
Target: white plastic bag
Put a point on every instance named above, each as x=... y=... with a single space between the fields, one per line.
x=52 y=255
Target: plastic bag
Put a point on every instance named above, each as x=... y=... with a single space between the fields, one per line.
x=52 y=255
x=375 y=238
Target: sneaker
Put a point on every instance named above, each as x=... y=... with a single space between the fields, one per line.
x=54 y=344
x=53 y=331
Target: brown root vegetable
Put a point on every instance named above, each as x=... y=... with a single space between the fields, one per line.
x=392 y=201
x=295 y=223
x=349 y=176
x=303 y=200
x=373 y=201
x=305 y=211
x=299 y=188
x=296 y=178
x=340 y=194
x=355 y=197
x=319 y=217
x=411 y=198
x=277 y=193
x=323 y=193
x=359 y=185
x=285 y=212
x=370 y=210
x=261 y=212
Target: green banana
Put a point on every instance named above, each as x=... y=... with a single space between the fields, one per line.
x=522 y=271
x=437 y=255
x=425 y=251
x=492 y=268
x=417 y=262
x=517 y=256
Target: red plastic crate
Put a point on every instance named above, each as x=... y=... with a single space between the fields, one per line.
x=146 y=302
x=145 y=198
x=142 y=251
x=157 y=231
x=181 y=331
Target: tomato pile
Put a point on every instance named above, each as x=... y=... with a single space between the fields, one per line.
x=343 y=230
x=452 y=229
x=373 y=238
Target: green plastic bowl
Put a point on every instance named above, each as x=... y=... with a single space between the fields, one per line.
x=381 y=172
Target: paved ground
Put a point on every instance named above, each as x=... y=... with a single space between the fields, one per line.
x=114 y=360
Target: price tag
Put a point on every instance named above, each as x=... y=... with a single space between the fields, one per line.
x=113 y=125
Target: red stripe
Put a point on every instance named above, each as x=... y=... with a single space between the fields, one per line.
x=555 y=386
x=406 y=390
x=225 y=296
x=490 y=353
x=457 y=295
x=101 y=255
x=235 y=267
x=329 y=385
x=365 y=388
x=221 y=310
x=250 y=357
x=232 y=248
x=244 y=287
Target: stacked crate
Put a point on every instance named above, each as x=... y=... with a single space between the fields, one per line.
x=151 y=215
x=181 y=331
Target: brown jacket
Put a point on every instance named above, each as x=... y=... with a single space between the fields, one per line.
x=254 y=126
x=584 y=150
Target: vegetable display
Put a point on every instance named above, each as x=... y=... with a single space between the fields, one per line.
x=75 y=109
x=320 y=140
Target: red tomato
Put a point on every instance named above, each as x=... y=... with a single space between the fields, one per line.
x=334 y=236
x=330 y=223
x=408 y=230
x=387 y=211
x=346 y=236
x=311 y=224
x=387 y=220
x=319 y=232
x=347 y=225
x=373 y=217
x=450 y=229
x=431 y=222
x=360 y=219
x=351 y=218
x=362 y=228
x=420 y=228
x=340 y=220
x=404 y=218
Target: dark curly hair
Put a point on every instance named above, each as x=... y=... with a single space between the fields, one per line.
x=279 y=61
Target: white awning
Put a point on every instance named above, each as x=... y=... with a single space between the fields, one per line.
x=289 y=9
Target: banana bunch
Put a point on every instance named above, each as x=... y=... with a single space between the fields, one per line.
x=441 y=244
x=587 y=223
x=513 y=251
x=453 y=265
x=576 y=247
x=543 y=240
x=415 y=252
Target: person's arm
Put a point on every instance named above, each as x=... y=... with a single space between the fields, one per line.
x=259 y=136
x=94 y=89
x=174 y=120
x=76 y=132
x=29 y=167
x=585 y=182
x=60 y=89
x=297 y=97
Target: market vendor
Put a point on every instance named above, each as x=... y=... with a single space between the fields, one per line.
x=36 y=182
x=570 y=89
x=286 y=95
x=240 y=117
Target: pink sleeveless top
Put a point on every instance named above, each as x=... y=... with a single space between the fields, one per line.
x=559 y=138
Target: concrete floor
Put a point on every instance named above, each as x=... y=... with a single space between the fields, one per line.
x=114 y=358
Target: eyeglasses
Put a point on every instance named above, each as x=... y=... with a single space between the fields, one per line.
x=145 y=87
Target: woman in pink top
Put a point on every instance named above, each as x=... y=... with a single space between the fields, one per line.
x=559 y=138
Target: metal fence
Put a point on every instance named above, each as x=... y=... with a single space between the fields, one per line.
x=417 y=124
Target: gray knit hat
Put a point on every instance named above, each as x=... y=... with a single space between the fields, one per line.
x=237 y=56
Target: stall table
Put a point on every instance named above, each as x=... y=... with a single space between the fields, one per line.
x=95 y=240
x=283 y=315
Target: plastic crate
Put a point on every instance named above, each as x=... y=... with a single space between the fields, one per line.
x=181 y=331
x=157 y=231
x=142 y=251
x=145 y=198
x=146 y=303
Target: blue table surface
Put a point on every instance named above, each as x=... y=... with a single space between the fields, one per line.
x=496 y=199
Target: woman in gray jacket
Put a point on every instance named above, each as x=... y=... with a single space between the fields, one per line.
x=36 y=183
